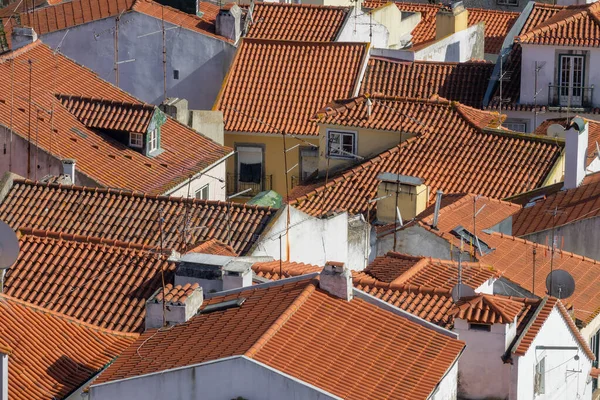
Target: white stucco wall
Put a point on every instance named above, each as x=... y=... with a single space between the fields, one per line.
x=547 y=55
x=356 y=29
x=447 y=389
x=216 y=188
x=528 y=117
x=202 y=61
x=560 y=384
x=219 y=380
x=316 y=241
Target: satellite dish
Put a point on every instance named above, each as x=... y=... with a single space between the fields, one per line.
x=560 y=284
x=9 y=246
x=461 y=290
x=556 y=130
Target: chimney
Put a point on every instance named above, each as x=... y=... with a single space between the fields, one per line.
x=181 y=304
x=369 y=107
x=204 y=269
x=22 y=36
x=412 y=196
x=177 y=108
x=448 y=22
x=336 y=279
x=228 y=23
x=576 y=143
x=3 y=374
x=237 y=274
x=69 y=168
x=436 y=212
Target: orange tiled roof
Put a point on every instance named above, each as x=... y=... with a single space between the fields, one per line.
x=389 y=267
x=99 y=281
x=176 y=294
x=300 y=313
x=214 y=246
x=277 y=86
x=19 y=6
x=497 y=23
x=462 y=82
x=108 y=114
x=276 y=269
x=130 y=217
x=209 y=11
x=302 y=22
x=487 y=309
x=443 y=155
x=105 y=160
x=51 y=354
x=77 y=12
x=576 y=25
x=572 y=205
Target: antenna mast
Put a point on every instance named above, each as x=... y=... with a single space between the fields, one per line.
x=29 y=127
x=164 y=50
x=116 y=67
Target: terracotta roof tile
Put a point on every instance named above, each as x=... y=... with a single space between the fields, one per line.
x=130 y=217
x=389 y=267
x=497 y=23
x=214 y=246
x=100 y=157
x=175 y=294
x=102 y=282
x=487 y=309
x=277 y=86
x=593 y=134
x=444 y=157
x=51 y=354
x=301 y=22
x=19 y=6
x=77 y=12
x=302 y=314
x=462 y=82
x=276 y=269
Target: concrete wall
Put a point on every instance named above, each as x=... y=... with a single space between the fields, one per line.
x=342 y=238
x=224 y=379
x=274 y=160
x=202 y=61
x=548 y=56
x=560 y=383
x=356 y=29
x=416 y=241
x=482 y=372
x=581 y=237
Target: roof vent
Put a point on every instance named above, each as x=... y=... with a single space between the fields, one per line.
x=225 y=305
x=471 y=239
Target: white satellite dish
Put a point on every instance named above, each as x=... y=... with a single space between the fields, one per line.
x=556 y=130
x=9 y=246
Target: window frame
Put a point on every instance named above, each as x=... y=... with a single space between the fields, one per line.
x=135 y=143
x=516 y=122
x=473 y=326
x=540 y=370
x=153 y=140
x=511 y=3
x=202 y=189
x=342 y=156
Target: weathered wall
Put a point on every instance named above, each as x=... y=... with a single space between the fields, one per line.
x=447 y=389
x=461 y=46
x=202 y=61
x=356 y=29
x=581 y=237
x=416 y=241
x=229 y=378
x=215 y=178
x=528 y=117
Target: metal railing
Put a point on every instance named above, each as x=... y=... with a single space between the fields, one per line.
x=235 y=185
x=573 y=96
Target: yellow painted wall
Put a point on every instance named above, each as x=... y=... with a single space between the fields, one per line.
x=370 y=143
x=274 y=159
x=390 y=17
x=449 y=22
x=412 y=200
x=558 y=172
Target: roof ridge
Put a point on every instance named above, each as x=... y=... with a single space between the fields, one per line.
x=7 y=298
x=316 y=6
x=368 y=280
x=492 y=303
x=489 y=11
x=468 y=197
x=18 y=52
x=303 y=42
x=282 y=319
x=413 y=270
x=558 y=20
x=531 y=321
x=136 y=194
x=565 y=314
x=41 y=233
x=139 y=103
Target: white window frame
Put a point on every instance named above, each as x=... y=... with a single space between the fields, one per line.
x=153 y=140
x=514 y=3
x=539 y=378
x=346 y=154
x=200 y=195
x=136 y=139
x=510 y=125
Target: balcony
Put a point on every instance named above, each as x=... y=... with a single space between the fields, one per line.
x=570 y=96
x=234 y=185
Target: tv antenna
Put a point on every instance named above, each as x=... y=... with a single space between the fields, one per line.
x=9 y=250
x=560 y=284
x=538 y=68
x=461 y=290
x=503 y=76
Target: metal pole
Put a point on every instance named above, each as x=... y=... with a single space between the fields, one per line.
x=117 y=50
x=29 y=127
x=164 y=44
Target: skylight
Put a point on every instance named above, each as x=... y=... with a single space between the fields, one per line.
x=225 y=305
x=470 y=238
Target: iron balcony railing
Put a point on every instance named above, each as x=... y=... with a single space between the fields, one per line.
x=570 y=96
x=235 y=185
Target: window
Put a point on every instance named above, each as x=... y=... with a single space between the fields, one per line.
x=570 y=80
x=202 y=193
x=175 y=74
x=516 y=126
x=480 y=327
x=471 y=239
x=341 y=144
x=539 y=382
x=153 y=141
x=136 y=139
x=507 y=2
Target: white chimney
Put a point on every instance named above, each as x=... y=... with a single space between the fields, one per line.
x=181 y=304
x=576 y=143
x=337 y=280
x=229 y=22
x=69 y=168
x=369 y=108
x=3 y=376
x=237 y=274
x=22 y=36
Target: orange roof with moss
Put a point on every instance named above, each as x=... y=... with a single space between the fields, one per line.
x=298 y=311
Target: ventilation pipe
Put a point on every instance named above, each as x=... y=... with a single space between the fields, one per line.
x=69 y=168
x=438 y=205
x=369 y=107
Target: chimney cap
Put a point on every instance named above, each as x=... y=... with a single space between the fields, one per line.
x=397 y=178
x=68 y=161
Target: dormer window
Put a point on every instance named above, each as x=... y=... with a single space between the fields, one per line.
x=136 y=140
x=153 y=140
